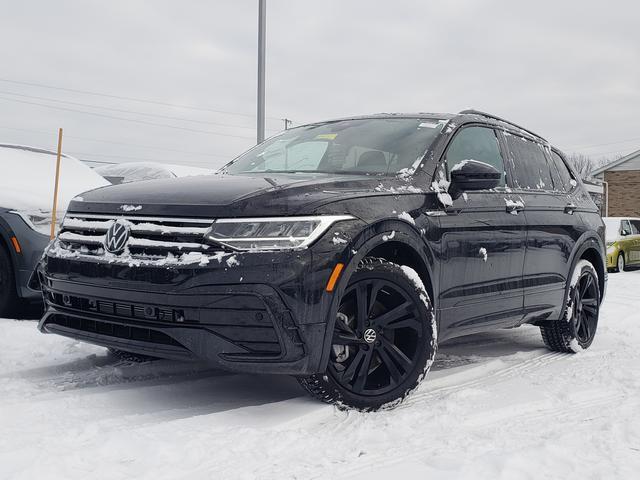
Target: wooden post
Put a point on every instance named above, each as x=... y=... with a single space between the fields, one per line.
x=55 y=188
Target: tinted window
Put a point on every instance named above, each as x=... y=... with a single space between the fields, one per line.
x=635 y=227
x=476 y=143
x=562 y=177
x=626 y=227
x=531 y=169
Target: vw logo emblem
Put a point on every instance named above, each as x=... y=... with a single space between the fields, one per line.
x=116 y=237
x=369 y=335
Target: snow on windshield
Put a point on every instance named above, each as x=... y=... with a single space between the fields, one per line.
x=27 y=179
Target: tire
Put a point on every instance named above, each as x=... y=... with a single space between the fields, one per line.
x=9 y=301
x=130 y=356
x=621 y=264
x=576 y=329
x=385 y=339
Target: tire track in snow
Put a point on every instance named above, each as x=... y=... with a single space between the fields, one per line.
x=504 y=419
x=425 y=394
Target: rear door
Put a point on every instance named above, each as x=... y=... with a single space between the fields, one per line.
x=482 y=245
x=551 y=211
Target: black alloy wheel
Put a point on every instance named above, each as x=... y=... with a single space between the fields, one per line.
x=585 y=307
x=577 y=329
x=383 y=340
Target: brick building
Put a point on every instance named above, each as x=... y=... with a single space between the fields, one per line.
x=622 y=186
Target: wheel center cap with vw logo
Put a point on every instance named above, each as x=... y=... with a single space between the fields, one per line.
x=116 y=237
x=369 y=335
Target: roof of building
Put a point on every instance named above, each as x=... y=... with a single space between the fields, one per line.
x=614 y=164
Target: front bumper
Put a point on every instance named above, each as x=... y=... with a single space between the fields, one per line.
x=266 y=315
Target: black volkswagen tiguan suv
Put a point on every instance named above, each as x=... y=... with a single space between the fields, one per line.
x=340 y=252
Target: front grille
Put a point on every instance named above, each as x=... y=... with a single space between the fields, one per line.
x=151 y=238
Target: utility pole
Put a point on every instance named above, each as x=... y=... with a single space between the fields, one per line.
x=262 y=28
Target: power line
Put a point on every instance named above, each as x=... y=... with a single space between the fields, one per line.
x=126 y=144
x=121 y=110
x=143 y=122
x=126 y=157
x=133 y=99
x=613 y=152
x=586 y=147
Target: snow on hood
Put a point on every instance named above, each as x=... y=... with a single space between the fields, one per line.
x=27 y=179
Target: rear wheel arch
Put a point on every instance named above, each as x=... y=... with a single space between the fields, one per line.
x=596 y=259
x=589 y=248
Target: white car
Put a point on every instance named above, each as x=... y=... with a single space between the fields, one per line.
x=139 y=171
x=26 y=199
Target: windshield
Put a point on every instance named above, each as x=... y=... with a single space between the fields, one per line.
x=611 y=229
x=373 y=145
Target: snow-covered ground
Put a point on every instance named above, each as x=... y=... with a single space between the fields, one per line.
x=495 y=406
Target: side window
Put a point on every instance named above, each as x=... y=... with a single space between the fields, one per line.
x=562 y=181
x=626 y=228
x=531 y=169
x=476 y=143
x=635 y=227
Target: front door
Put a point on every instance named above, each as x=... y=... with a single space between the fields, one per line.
x=482 y=245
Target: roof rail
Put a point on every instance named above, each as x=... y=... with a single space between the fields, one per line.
x=495 y=117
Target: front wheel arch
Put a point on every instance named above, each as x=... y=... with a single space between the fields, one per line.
x=415 y=250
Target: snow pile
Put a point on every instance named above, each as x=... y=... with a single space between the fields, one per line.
x=514 y=205
x=407 y=218
x=130 y=208
x=338 y=240
x=483 y=253
x=28 y=177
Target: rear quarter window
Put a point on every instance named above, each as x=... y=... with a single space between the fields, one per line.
x=562 y=178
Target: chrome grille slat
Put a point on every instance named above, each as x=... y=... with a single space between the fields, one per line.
x=150 y=237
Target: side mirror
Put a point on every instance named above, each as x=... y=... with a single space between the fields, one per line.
x=625 y=233
x=474 y=175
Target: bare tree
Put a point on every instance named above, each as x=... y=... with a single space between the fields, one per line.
x=584 y=164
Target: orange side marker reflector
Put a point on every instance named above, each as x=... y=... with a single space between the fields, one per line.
x=16 y=244
x=333 y=279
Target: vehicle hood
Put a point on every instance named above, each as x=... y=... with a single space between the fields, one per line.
x=215 y=196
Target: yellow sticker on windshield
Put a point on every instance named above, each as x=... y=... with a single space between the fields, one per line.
x=326 y=136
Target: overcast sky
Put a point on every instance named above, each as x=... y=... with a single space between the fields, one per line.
x=569 y=70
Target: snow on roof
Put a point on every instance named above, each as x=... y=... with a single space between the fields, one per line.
x=28 y=174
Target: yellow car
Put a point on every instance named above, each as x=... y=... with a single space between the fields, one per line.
x=623 y=242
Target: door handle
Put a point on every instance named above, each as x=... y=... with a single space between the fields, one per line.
x=570 y=208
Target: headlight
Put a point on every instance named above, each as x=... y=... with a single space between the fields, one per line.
x=40 y=221
x=280 y=233
x=611 y=248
